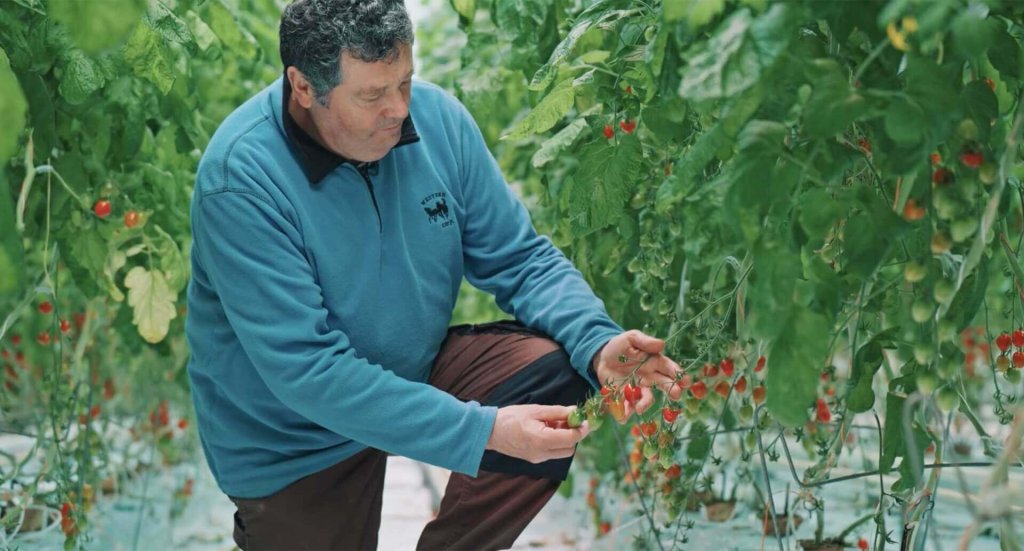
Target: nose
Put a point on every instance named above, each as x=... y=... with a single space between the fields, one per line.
x=397 y=107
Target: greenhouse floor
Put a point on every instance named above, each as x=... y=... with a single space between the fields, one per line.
x=146 y=516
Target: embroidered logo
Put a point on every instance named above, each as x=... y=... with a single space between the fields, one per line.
x=436 y=209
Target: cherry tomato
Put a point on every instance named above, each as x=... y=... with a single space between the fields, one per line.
x=102 y=208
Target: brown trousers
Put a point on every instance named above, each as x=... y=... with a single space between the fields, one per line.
x=499 y=364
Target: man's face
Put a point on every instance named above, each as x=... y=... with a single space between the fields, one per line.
x=364 y=114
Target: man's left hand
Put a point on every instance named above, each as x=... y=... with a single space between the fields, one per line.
x=641 y=353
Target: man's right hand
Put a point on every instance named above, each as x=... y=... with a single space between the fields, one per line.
x=523 y=432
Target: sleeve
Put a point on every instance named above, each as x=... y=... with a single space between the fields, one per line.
x=529 y=277
x=254 y=259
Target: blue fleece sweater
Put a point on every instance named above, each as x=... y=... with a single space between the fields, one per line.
x=314 y=315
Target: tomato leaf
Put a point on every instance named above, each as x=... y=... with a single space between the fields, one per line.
x=148 y=56
x=152 y=301
x=797 y=356
x=905 y=121
x=1005 y=55
x=553 y=146
x=604 y=181
x=12 y=109
x=227 y=28
x=546 y=114
x=738 y=54
x=12 y=266
x=94 y=26
x=82 y=76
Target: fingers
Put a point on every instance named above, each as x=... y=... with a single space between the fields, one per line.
x=644 y=342
x=557 y=438
x=646 y=400
x=551 y=413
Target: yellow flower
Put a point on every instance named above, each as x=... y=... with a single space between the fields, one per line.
x=909 y=24
x=898 y=39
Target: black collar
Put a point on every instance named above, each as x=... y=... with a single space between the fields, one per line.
x=316 y=160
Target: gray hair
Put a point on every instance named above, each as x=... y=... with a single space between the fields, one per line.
x=315 y=33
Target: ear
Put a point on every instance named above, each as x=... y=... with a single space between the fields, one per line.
x=302 y=91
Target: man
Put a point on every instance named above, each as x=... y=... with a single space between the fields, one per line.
x=334 y=216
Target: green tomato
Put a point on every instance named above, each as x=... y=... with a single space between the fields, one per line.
x=575 y=419
x=746 y=412
x=946 y=206
x=595 y=422
x=927 y=382
x=947 y=330
x=967 y=129
x=923 y=353
x=914 y=271
x=922 y=310
x=947 y=399
x=941 y=243
x=650 y=449
x=1012 y=376
x=962 y=229
x=988 y=173
x=943 y=291
x=750 y=439
x=665 y=460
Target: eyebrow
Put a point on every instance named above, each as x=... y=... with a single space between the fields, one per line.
x=380 y=90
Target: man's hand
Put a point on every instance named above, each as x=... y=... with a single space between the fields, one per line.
x=523 y=432
x=633 y=350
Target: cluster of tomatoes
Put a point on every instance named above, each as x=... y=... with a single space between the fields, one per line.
x=1011 y=355
x=102 y=209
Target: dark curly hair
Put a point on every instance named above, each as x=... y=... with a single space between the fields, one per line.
x=314 y=33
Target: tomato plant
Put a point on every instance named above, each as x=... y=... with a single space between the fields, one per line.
x=842 y=219
x=106 y=107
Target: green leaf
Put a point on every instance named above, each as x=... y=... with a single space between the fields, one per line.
x=172 y=262
x=555 y=145
x=228 y=30
x=833 y=104
x=727 y=66
x=152 y=301
x=148 y=56
x=819 y=211
x=543 y=77
x=94 y=26
x=931 y=87
x=202 y=32
x=465 y=8
x=81 y=76
x=737 y=55
x=12 y=110
x=797 y=359
x=546 y=114
x=973 y=32
x=892 y=433
x=12 y=266
x=42 y=117
x=700 y=441
x=772 y=286
x=701 y=12
x=89 y=250
x=866 y=363
x=912 y=466
x=115 y=261
x=1005 y=55
x=721 y=136
x=982 y=104
x=171 y=27
x=604 y=181
x=905 y=121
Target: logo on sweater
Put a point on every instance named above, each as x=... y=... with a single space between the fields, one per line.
x=436 y=209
